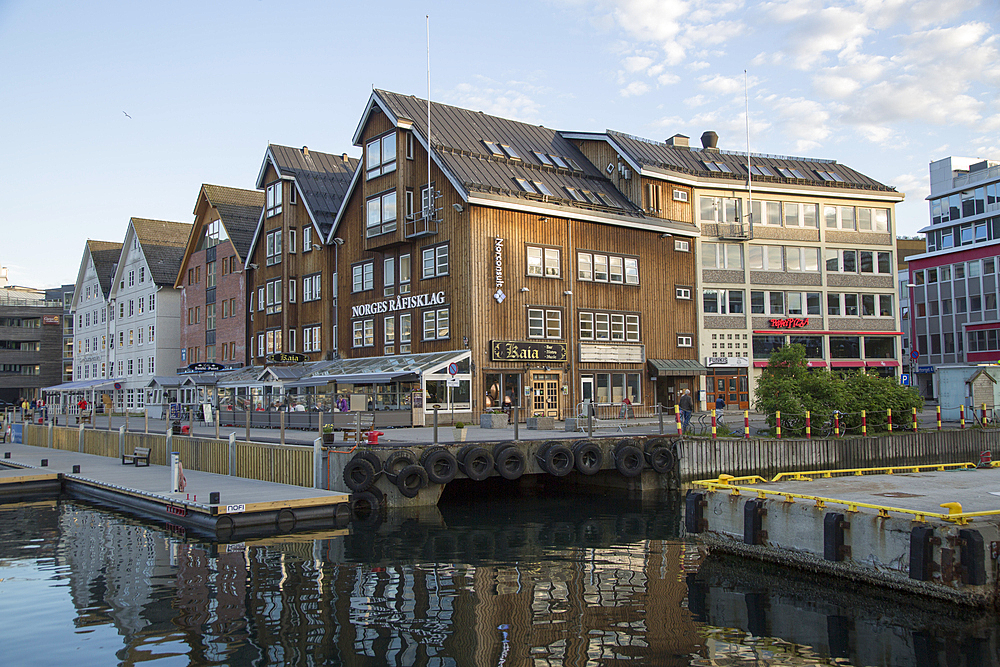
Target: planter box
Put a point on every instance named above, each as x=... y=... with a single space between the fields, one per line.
x=329 y=438
x=493 y=421
x=541 y=423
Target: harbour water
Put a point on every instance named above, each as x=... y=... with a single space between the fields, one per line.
x=545 y=581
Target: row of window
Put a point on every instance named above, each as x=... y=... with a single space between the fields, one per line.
x=971 y=269
x=135 y=337
x=794 y=214
x=965 y=234
x=125 y=366
x=129 y=278
x=21 y=322
x=723 y=301
x=965 y=204
x=840 y=347
x=270 y=342
x=20 y=369
x=972 y=304
x=134 y=307
x=794 y=259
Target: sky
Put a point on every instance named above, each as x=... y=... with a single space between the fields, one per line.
x=113 y=110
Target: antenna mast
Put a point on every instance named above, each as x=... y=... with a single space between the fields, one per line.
x=430 y=195
x=746 y=97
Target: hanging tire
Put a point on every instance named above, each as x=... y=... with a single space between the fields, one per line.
x=366 y=508
x=510 y=463
x=396 y=461
x=661 y=459
x=410 y=480
x=589 y=457
x=440 y=464
x=653 y=443
x=629 y=460
x=359 y=474
x=477 y=463
x=499 y=447
x=626 y=442
x=372 y=458
x=558 y=460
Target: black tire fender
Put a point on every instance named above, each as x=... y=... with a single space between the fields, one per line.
x=477 y=463
x=411 y=479
x=558 y=460
x=366 y=508
x=510 y=463
x=440 y=464
x=589 y=457
x=629 y=460
x=359 y=474
x=396 y=461
x=372 y=458
x=661 y=459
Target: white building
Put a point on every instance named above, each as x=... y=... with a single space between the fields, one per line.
x=146 y=308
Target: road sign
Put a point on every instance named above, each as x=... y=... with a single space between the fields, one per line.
x=915 y=355
x=453 y=368
x=453 y=382
x=904 y=380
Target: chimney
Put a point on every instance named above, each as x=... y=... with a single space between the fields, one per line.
x=710 y=140
x=344 y=157
x=305 y=151
x=679 y=141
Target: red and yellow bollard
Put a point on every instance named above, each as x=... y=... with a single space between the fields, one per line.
x=713 y=424
x=746 y=424
x=888 y=414
x=808 y=427
x=864 y=424
x=836 y=424
x=777 y=422
x=961 y=416
x=677 y=415
x=938 y=417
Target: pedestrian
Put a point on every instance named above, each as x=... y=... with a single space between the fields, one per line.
x=720 y=406
x=687 y=406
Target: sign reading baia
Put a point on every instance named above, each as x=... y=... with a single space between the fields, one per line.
x=513 y=350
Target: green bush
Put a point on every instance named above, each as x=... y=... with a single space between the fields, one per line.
x=788 y=385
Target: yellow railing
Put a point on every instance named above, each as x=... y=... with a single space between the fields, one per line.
x=735 y=486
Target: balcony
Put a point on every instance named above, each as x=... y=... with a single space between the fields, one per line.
x=733 y=231
x=421 y=225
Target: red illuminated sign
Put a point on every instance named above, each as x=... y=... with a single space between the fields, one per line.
x=790 y=323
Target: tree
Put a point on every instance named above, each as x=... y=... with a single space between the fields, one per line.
x=789 y=385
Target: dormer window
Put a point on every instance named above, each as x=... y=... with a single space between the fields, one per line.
x=274 y=199
x=380 y=156
x=493 y=148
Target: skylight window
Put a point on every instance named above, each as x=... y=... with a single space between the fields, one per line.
x=511 y=153
x=541 y=188
x=559 y=162
x=760 y=171
x=574 y=193
x=590 y=197
x=543 y=158
x=493 y=148
x=830 y=176
x=524 y=185
x=573 y=164
x=608 y=201
x=790 y=173
x=717 y=166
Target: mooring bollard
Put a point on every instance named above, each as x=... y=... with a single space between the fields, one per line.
x=121 y=441
x=938 y=417
x=517 y=425
x=659 y=412
x=888 y=414
x=746 y=424
x=436 y=425
x=232 y=453
x=318 y=463
x=808 y=427
x=777 y=423
x=590 y=423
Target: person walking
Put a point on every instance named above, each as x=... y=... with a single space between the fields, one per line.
x=687 y=406
x=720 y=406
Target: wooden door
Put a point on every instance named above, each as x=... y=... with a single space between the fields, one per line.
x=545 y=394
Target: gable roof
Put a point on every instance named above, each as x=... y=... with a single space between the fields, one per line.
x=105 y=256
x=163 y=245
x=458 y=137
x=656 y=158
x=239 y=210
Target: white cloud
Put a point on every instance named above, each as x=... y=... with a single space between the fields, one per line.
x=668 y=79
x=698 y=65
x=696 y=101
x=493 y=98
x=634 y=88
x=637 y=63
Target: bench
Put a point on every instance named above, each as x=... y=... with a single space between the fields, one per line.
x=367 y=422
x=140 y=454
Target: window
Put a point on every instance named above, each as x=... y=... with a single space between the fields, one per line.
x=766 y=213
x=292 y=246
x=680 y=195
x=544 y=323
x=151 y=336
x=722 y=256
x=142 y=301
x=311 y=287
x=273 y=291
x=405 y=333
x=617 y=327
x=363 y=277
x=389 y=276
x=131 y=307
x=380 y=155
x=381 y=214
x=152 y=302
x=682 y=292
x=543 y=262
x=273 y=247
x=435 y=261
x=273 y=339
x=311 y=338
x=209 y=319
x=719 y=209
x=404 y=274
x=411 y=149
x=839 y=217
x=682 y=245
x=273 y=199
x=131 y=278
x=717 y=301
x=307 y=238
x=802 y=259
x=209 y=278
x=389 y=330
x=607 y=268
x=766 y=258
x=436 y=324
x=685 y=340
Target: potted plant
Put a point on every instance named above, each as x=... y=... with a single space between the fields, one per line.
x=328 y=434
x=460 y=432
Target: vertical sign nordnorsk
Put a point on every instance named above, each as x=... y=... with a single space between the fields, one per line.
x=498 y=269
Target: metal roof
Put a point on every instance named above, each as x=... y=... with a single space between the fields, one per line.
x=677 y=367
x=163 y=245
x=240 y=210
x=105 y=255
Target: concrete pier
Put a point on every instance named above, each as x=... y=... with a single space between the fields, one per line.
x=934 y=530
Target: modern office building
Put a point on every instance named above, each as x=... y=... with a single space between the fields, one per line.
x=31 y=343
x=954 y=284
x=791 y=250
x=65 y=295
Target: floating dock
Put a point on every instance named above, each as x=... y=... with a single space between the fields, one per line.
x=933 y=530
x=220 y=505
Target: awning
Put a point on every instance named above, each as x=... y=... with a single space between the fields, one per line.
x=760 y=364
x=366 y=378
x=677 y=367
x=816 y=364
x=882 y=363
x=847 y=364
x=80 y=385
